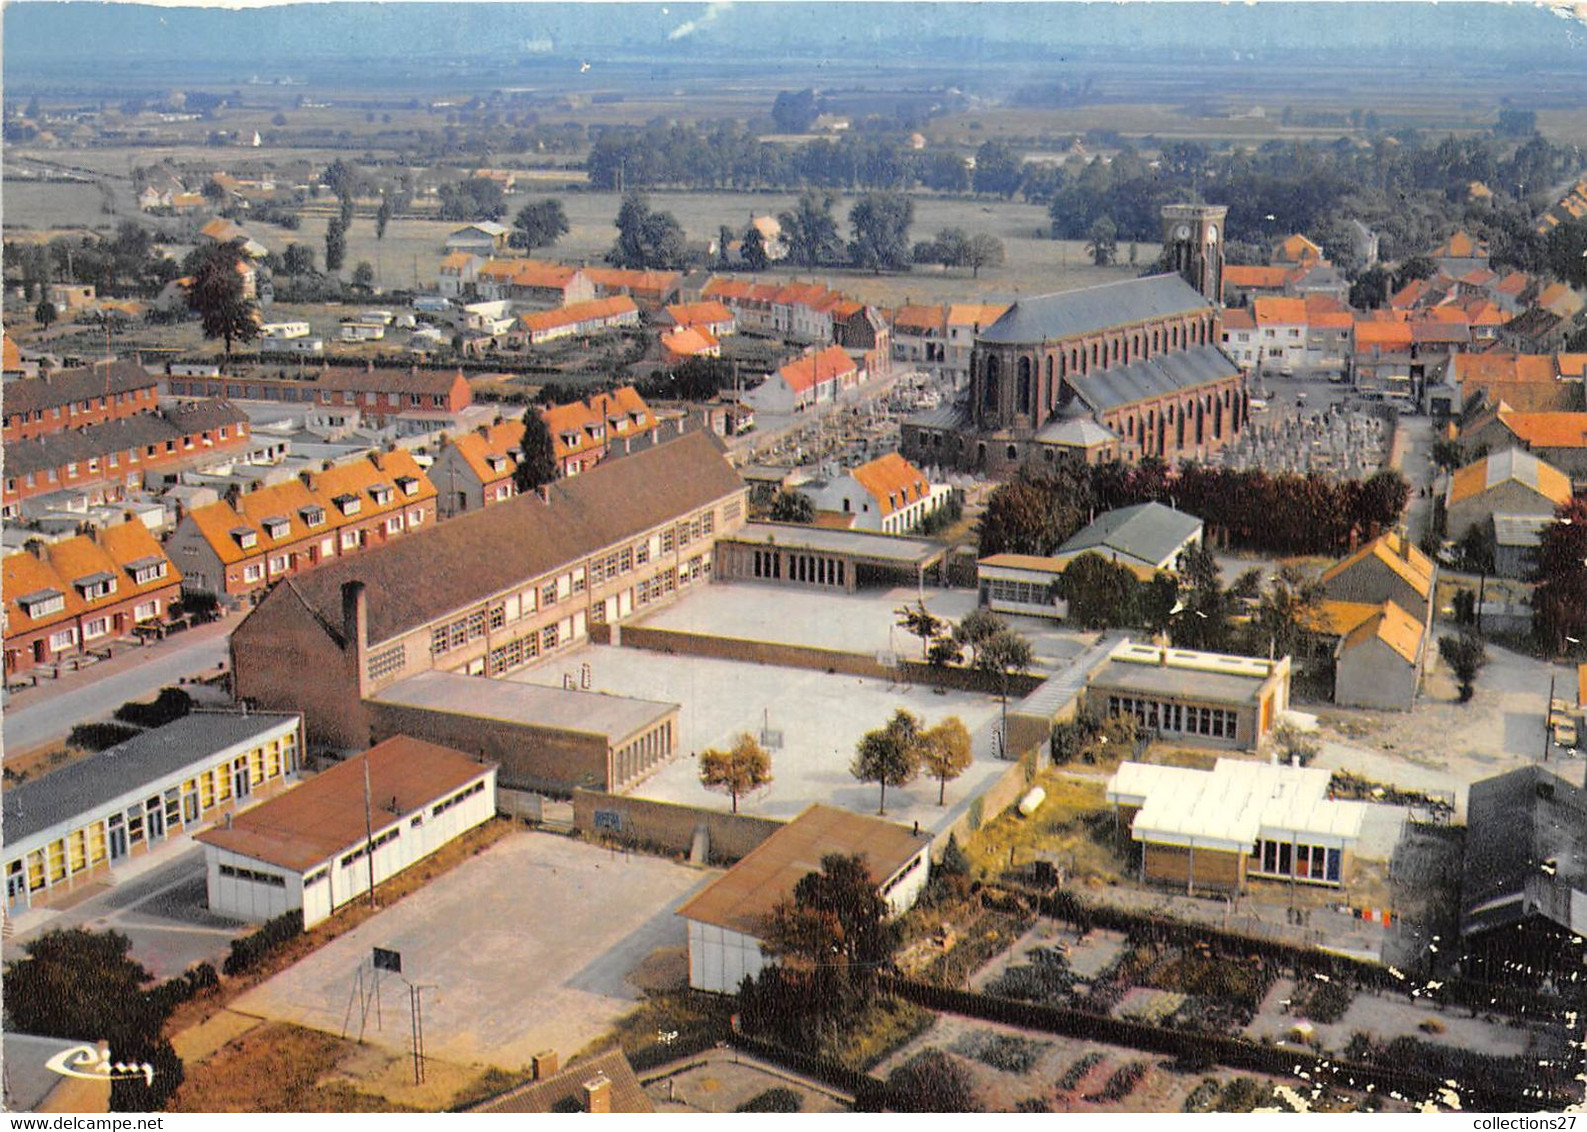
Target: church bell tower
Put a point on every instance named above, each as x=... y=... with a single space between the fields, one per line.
x=1193 y=245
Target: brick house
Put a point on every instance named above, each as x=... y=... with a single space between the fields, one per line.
x=70 y=596
x=238 y=547
x=77 y=398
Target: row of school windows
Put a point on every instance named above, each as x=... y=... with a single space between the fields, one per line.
x=1186 y=719
x=460 y=631
x=643 y=753
x=253 y=876
x=801 y=567
x=370 y=846
x=111 y=838
x=1022 y=593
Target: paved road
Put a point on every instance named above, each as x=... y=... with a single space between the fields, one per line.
x=38 y=715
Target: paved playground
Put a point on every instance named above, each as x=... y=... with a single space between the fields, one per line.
x=526 y=947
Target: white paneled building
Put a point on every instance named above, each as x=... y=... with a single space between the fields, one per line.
x=316 y=847
x=725 y=919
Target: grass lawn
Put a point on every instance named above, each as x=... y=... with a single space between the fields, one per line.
x=276 y=1068
x=1066 y=827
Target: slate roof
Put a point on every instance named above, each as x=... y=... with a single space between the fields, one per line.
x=80 y=787
x=443 y=568
x=1090 y=309
x=1106 y=389
x=1526 y=852
x=1078 y=432
x=1150 y=532
x=436 y=382
x=73 y=385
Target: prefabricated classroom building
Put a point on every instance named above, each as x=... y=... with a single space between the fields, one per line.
x=318 y=846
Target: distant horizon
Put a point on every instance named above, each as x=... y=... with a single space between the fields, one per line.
x=272 y=33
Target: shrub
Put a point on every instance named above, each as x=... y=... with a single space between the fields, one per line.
x=251 y=950
x=1076 y=1073
x=774 y=1100
x=1322 y=1002
x=1242 y=1095
x=932 y=1081
x=100 y=736
x=1033 y=1104
x=1203 y=1096
x=170 y=705
x=1122 y=1083
x=1430 y=1026
x=1007 y=1052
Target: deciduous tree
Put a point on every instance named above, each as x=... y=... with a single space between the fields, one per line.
x=889 y=756
x=920 y=622
x=218 y=295
x=880 y=222
x=945 y=752
x=810 y=230
x=539 y=224
x=1466 y=655
x=743 y=767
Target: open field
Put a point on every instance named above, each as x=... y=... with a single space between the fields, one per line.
x=1035 y=265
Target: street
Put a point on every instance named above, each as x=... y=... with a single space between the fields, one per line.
x=35 y=716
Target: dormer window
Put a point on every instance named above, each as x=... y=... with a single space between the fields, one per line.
x=348 y=504
x=408 y=485
x=278 y=526
x=42 y=603
x=497 y=463
x=96 y=585
x=146 y=570
x=246 y=537
x=312 y=516
x=381 y=494
x=571 y=439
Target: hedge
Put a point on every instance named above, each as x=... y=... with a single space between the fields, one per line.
x=252 y=949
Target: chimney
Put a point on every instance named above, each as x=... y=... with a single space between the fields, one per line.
x=598 y=1094
x=484 y=430
x=308 y=479
x=544 y=1064
x=374 y=458
x=355 y=614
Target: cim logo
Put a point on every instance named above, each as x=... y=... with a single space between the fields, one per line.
x=93 y=1063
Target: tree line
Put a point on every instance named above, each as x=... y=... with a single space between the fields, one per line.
x=1286 y=514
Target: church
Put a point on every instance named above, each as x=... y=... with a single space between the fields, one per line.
x=1122 y=371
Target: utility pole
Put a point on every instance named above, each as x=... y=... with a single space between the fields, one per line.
x=369 y=834
x=1548 y=716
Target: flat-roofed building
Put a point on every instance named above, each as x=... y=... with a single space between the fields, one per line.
x=1208 y=699
x=1212 y=830
x=493 y=590
x=76 y=824
x=825 y=558
x=726 y=919
x=312 y=847
x=541 y=738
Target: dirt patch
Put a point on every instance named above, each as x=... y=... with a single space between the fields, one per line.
x=664 y=969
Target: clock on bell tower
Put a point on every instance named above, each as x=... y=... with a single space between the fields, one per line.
x=1193 y=245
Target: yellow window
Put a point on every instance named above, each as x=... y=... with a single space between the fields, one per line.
x=255 y=766
x=57 y=860
x=96 y=843
x=76 y=850
x=35 y=871
x=222 y=784
x=273 y=761
x=206 y=789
